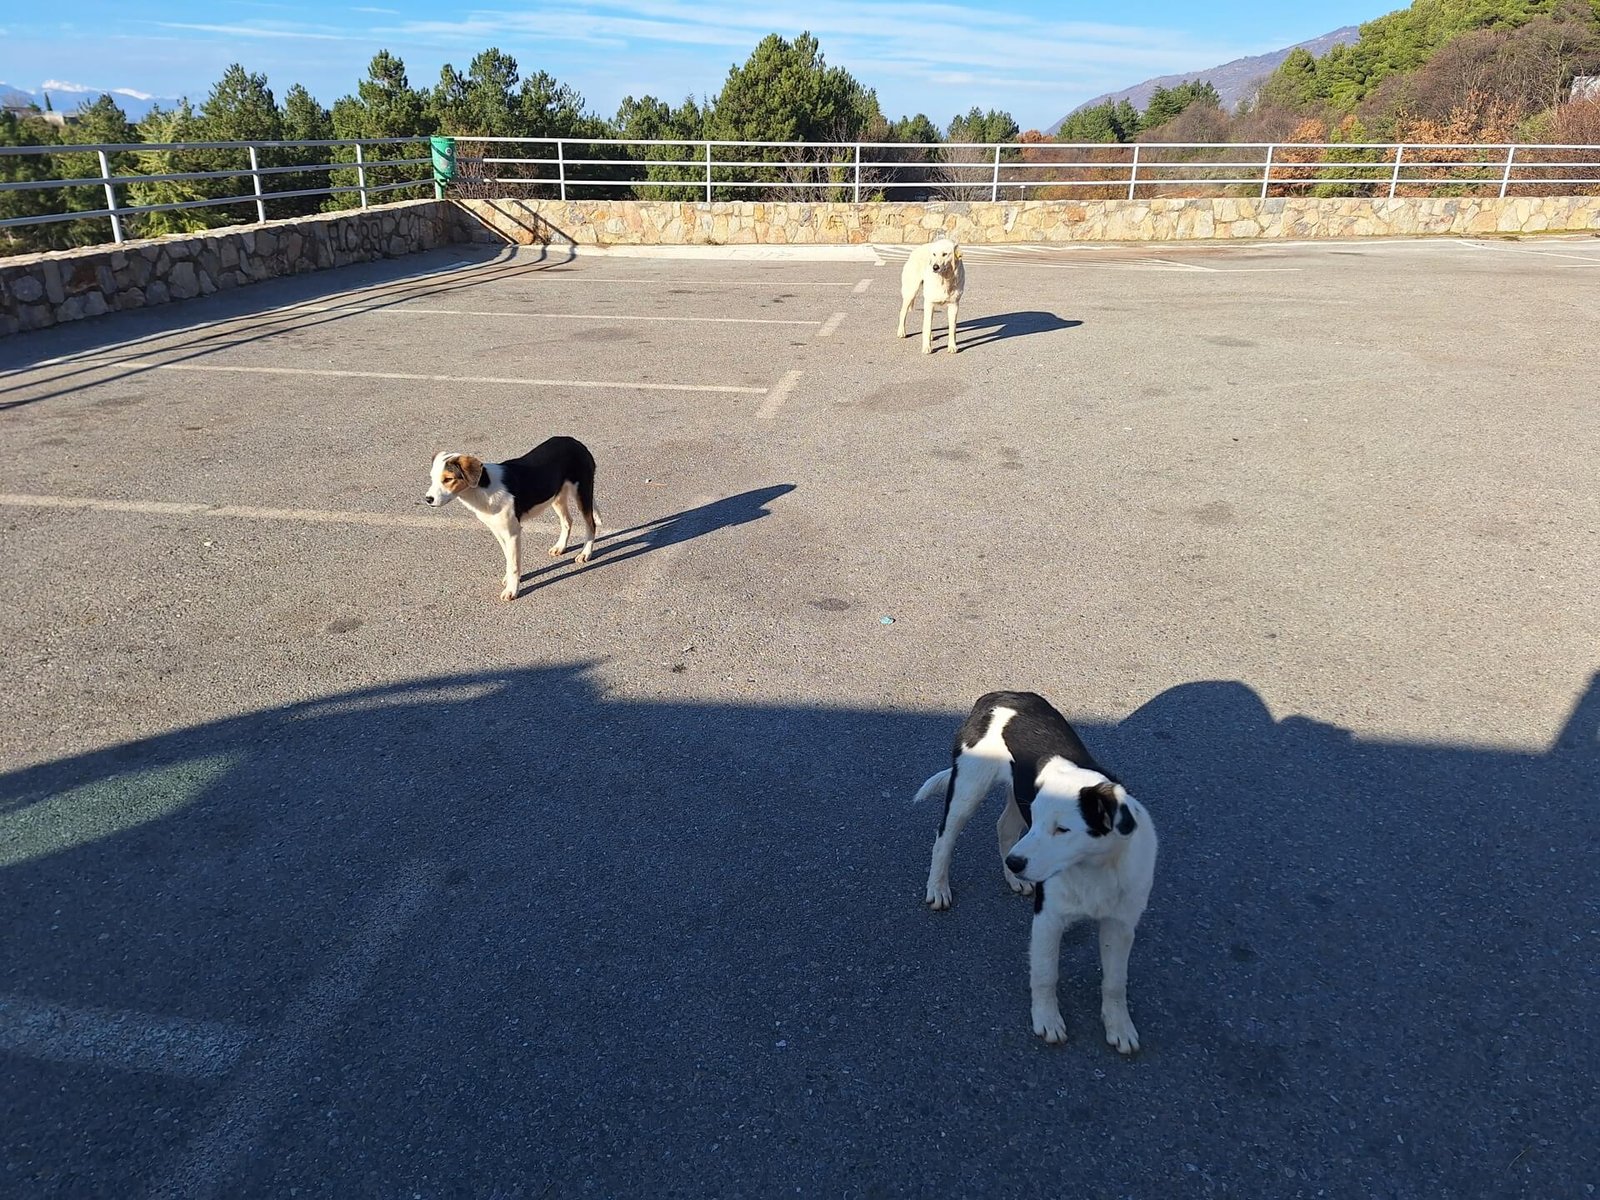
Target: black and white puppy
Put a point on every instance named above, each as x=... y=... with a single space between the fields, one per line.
x=503 y=495
x=1070 y=834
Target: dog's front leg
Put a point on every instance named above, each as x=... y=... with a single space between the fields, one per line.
x=927 y=323
x=1044 y=968
x=509 y=534
x=950 y=311
x=905 y=310
x=1116 y=943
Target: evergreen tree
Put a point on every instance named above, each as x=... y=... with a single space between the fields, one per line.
x=302 y=120
x=385 y=106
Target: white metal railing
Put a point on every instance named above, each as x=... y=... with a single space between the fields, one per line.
x=259 y=195
x=991 y=170
x=705 y=168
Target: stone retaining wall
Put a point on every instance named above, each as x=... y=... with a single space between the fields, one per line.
x=39 y=290
x=648 y=223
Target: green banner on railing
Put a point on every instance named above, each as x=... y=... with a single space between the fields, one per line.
x=444 y=158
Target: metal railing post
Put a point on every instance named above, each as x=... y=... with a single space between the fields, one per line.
x=995 y=192
x=255 y=179
x=361 y=175
x=561 y=166
x=1394 y=179
x=1505 y=180
x=1266 y=174
x=708 y=172
x=858 y=172
x=111 y=196
x=1133 y=175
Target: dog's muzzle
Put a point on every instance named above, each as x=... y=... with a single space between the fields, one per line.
x=1016 y=864
x=427 y=498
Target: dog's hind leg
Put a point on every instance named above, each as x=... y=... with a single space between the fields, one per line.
x=1116 y=943
x=1009 y=829
x=969 y=783
x=927 y=324
x=563 y=516
x=591 y=518
x=950 y=312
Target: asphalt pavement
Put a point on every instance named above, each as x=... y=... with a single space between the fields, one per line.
x=325 y=873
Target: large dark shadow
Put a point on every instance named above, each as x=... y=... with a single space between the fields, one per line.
x=69 y=355
x=676 y=947
x=982 y=331
x=658 y=534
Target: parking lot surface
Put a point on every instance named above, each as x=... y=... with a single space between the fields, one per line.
x=325 y=873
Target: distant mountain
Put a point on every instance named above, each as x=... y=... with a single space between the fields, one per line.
x=1235 y=81
x=64 y=97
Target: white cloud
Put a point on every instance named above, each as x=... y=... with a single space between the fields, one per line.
x=255 y=31
x=60 y=85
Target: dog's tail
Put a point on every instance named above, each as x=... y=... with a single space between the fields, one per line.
x=935 y=785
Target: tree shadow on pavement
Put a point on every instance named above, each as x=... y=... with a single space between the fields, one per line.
x=501 y=932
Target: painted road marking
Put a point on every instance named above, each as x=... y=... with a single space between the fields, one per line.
x=861 y=287
x=316 y=516
x=776 y=280
x=831 y=326
x=274 y=1065
x=407 y=310
x=410 y=377
x=123 y=1040
x=780 y=393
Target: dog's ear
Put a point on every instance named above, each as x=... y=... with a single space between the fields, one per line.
x=958 y=253
x=471 y=468
x=1099 y=805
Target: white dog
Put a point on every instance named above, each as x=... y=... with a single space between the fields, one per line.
x=936 y=269
x=1089 y=850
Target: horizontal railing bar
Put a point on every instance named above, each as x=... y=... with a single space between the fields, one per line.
x=136 y=147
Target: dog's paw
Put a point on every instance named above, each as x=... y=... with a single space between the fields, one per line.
x=509 y=592
x=583 y=557
x=1120 y=1031
x=1050 y=1025
x=927 y=349
x=557 y=550
x=1020 y=886
x=938 y=897
x=950 y=349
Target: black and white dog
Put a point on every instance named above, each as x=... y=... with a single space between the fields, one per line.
x=504 y=495
x=1070 y=834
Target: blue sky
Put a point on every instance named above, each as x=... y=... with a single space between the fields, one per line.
x=1036 y=59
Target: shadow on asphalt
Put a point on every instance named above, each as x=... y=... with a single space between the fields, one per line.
x=677 y=947
x=984 y=331
x=658 y=534
x=71 y=352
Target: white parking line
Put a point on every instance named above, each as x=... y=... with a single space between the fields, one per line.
x=409 y=311
x=1587 y=259
x=780 y=393
x=315 y=516
x=618 y=385
x=264 y=1086
x=126 y=1041
x=779 y=281
x=861 y=287
x=831 y=326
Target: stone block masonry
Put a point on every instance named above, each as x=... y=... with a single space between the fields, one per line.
x=40 y=290
x=733 y=223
